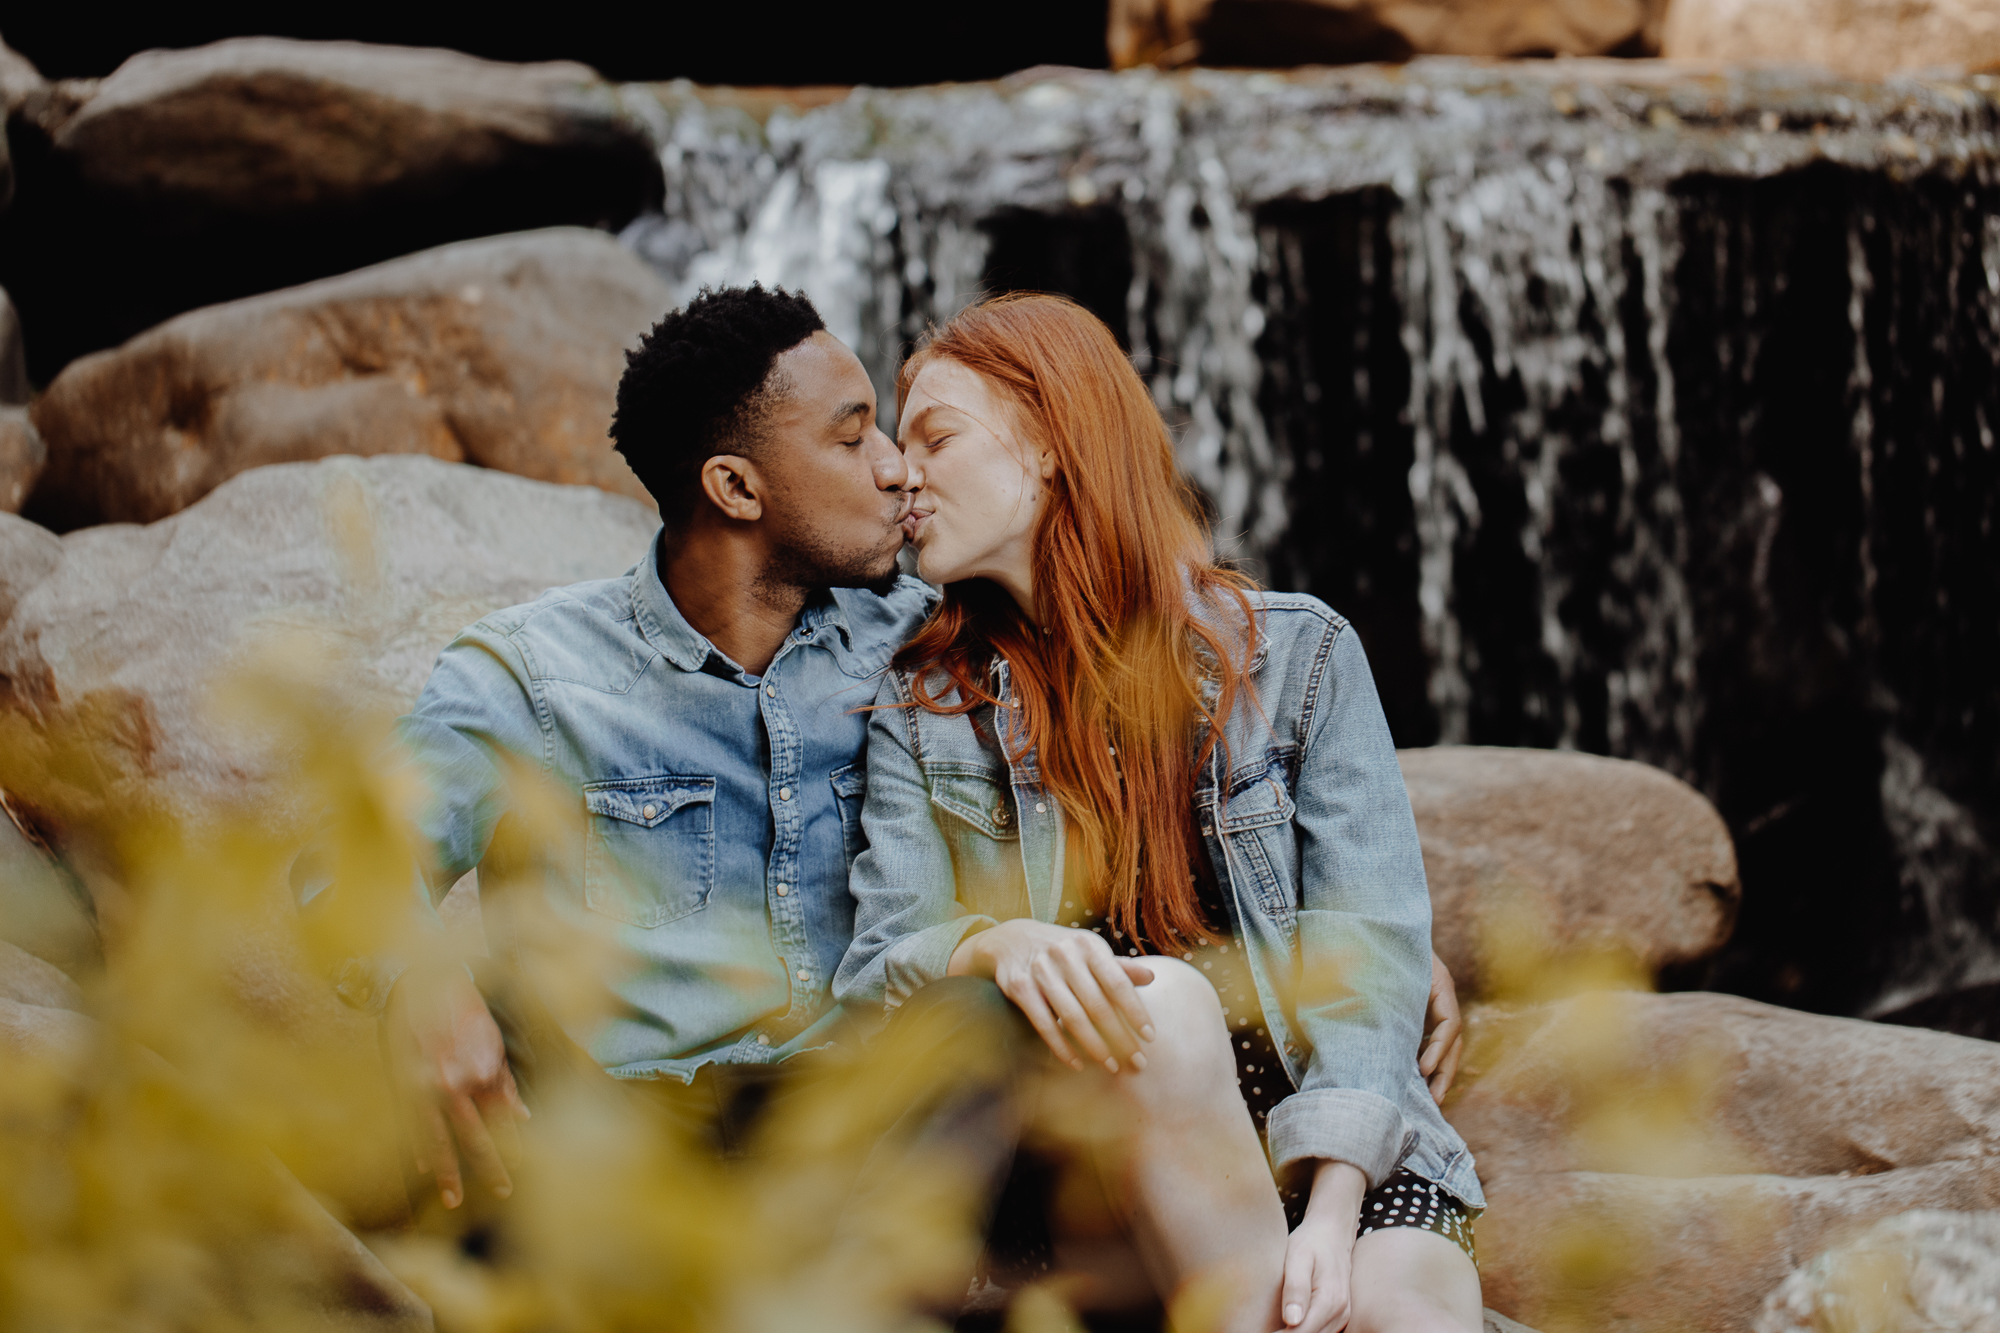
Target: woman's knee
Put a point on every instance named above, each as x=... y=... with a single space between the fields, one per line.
x=1189 y=1032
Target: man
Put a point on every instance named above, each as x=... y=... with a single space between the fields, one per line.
x=700 y=713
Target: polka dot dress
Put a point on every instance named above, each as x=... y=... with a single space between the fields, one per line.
x=1405 y=1199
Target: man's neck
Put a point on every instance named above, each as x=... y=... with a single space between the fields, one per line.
x=719 y=582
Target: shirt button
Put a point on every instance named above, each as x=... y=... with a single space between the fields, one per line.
x=999 y=814
x=804 y=975
x=649 y=810
x=1041 y=808
x=784 y=793
x=771 y=690
x=783 y=890
x=763 y=1040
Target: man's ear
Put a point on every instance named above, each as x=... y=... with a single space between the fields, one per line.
x=732 y=485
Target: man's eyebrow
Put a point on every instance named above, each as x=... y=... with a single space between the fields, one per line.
x=846 y=410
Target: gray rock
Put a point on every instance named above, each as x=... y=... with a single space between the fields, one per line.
x=28 y=552
x=44 y=912
x=504 y=352
x=27 y=979
x=371 y=564
x=1579 y=852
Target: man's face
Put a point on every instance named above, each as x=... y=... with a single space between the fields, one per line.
x=833 y=482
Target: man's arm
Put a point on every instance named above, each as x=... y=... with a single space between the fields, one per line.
x=448 y=1061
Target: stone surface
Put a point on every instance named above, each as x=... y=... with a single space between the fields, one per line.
x=22 y=458
x=504 y=352
x=28 y=552
x=1864 y=38
x=195 y=176
x=377 y=562
x=26 y=979
x=1923 y=1272
x=1664 y=1162
x=19 y=80
x=1334 y=32
x=44 y=912
x=1587 y=853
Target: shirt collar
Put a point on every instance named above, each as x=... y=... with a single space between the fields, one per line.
x=686 y=647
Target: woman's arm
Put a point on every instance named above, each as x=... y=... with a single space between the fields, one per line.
x=1363 y=930
x=907 y=917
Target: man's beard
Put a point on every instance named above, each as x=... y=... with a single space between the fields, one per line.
x=813 y=565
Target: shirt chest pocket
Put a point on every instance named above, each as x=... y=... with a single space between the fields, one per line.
x=650 y=855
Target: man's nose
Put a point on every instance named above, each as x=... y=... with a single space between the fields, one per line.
x=892 y=470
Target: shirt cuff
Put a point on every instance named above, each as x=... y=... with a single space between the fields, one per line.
x=1363 y=1129
x=918 y=959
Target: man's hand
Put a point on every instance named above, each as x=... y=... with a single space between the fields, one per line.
x=1319 y=1258
x=450 y=1068
x=1079 y=995
x=1444 y=1039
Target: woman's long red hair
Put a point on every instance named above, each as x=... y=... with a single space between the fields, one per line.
x=1110 y=685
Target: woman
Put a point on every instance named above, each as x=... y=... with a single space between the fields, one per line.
x=1162 y=811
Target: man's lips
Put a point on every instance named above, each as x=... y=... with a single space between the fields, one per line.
x=913 y=523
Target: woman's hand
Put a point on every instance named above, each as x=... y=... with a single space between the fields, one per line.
x=1319 y=1258
x=1444 y=1041
x=1079 y=995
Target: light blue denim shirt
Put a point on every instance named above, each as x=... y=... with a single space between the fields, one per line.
x=717 y=811
x=1312 y=840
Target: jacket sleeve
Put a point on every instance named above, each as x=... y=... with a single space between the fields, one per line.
x=1364 y=931
x=907 y=918
x=475 y=709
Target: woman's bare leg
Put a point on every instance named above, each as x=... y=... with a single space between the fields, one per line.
x=1197 y=1185
x=1407 y=1280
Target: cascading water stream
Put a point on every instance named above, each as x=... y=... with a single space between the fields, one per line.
x=1624 y=409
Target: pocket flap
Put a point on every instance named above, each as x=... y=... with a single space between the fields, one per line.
x=647 y=801
x=850 y=781
x=1259 y=803
x=978 y=800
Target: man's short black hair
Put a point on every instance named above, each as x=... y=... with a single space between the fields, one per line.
x=700 y=383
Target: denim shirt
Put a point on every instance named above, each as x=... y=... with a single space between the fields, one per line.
x=716 y=812
x=1309 y=829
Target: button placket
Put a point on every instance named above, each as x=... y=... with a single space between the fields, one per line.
x=787 y=913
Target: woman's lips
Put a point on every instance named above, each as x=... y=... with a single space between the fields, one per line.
x=913 y=522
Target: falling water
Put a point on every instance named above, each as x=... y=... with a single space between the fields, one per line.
x=1623 y=409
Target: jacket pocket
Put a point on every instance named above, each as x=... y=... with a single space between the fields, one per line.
x=850 y=788
x=984 y=802
x=650 y=855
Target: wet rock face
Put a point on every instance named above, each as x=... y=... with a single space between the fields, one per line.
x=191 y=177
x=503 y=352
x=1621 y=407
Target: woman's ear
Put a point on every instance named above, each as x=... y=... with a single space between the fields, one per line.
x=1048 y=468
x=732 y=485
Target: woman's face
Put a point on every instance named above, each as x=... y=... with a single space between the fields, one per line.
x=977 y=487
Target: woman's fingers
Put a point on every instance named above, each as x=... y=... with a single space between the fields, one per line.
x=1116 y=982
x=1296 y=1295
x=1050 y=977
x=1088 y=970
x=441 y=1159
x=469 y=1127
x=1440 y=1082
x=1027 y=997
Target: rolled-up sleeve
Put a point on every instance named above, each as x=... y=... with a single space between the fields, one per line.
x=907 y=918
x=1364 y=930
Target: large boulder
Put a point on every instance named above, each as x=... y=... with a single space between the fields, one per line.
x=1863 y=38
x=1657 y=1162
x=503 y=352
x=380 y=560
x=1922 y=1272
x=1586 y=854
x=1334 y=32
x=191 y=177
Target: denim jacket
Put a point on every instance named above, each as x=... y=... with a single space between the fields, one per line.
x=1310 y=832
x=715 y=812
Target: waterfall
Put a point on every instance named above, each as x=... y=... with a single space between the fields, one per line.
x=1627 y=410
